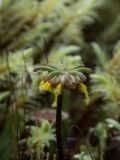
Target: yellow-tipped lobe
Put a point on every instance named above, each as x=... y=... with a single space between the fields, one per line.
x=56 y=91
x=45 y=86
x=84 y=90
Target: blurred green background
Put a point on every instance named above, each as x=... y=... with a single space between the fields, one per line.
x=60 y=31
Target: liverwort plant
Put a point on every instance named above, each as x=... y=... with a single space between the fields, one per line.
x=55 y=80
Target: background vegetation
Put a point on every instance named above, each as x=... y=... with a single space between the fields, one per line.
x=70 y=32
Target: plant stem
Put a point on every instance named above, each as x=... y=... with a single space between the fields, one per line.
x=60 y=155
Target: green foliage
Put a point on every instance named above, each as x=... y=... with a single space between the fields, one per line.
x=84 y=155
x=40 y=137
x=107 y=86
x=64 y=33
x=4 y=95
x=18 y=58
x=106 y=80
x=113 y=124
x=101 y=131
x=47 y=20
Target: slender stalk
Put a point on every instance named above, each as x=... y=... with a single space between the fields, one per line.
x=15 y=111
x=14 y=132
x=60 y=155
